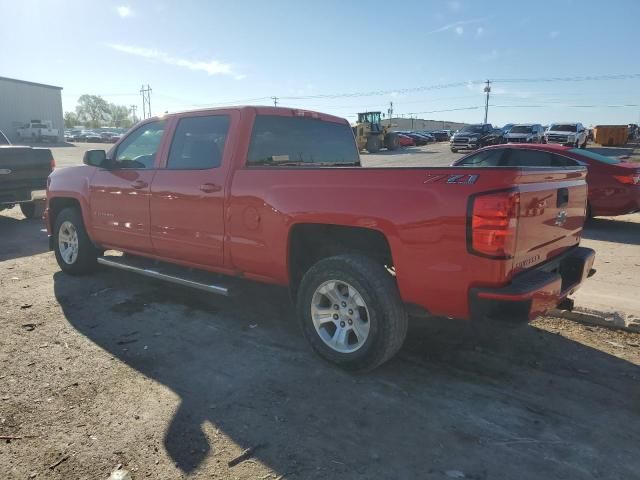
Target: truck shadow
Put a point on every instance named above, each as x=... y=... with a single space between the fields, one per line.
x=21 y=237
x=521 y=404
x=619 y=230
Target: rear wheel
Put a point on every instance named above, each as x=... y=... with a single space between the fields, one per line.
x=32 y=209
x=350 y=311
x=75 y=253
x=584 y=145
x=392 y=141
x=373 y=144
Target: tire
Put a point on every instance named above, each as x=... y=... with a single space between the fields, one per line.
x=373 y=144
x=392 y=141
x=84 y=260
x=32 y=209
x=382 y=321
x=584 y=145
x=454 y=150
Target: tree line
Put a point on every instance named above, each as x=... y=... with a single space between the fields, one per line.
x=94 y=111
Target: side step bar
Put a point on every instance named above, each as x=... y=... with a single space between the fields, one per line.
x=175 y=275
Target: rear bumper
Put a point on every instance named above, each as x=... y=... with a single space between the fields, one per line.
x=534 y=292
x=22 y=195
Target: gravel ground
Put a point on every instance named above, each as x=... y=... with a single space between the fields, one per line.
x=114 y=369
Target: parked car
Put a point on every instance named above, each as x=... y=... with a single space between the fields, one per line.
x=440 y=135
x=23 y=177
x=472 y=137
x=73 y=136
x=525 y=133
x=287 y=202
x=569 y=134
x=110 y=137
x=614 y=184
x=419 y=139
x=430 y=138
x=38 y=131
x=507 y=127
x=90 y=137
x=406 y=141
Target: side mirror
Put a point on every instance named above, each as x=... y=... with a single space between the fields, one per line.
x=94 y=158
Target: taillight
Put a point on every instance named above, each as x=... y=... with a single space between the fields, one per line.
x=633 y=179
x=53 y=163
x=492 y=224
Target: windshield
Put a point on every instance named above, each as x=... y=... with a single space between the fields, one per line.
x=561 y=127
x=471 y=129
x=521 y=129
x=595 y=156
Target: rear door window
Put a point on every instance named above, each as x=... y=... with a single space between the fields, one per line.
x=278 y=140
x=198 y=143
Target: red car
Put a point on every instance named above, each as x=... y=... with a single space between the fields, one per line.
x=614 y=184
x=278 y=195
x=406 y=141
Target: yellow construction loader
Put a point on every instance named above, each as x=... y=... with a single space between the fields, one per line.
x=372 y=136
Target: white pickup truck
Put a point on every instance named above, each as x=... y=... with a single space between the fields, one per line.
x=569 y=134
x=38 y=131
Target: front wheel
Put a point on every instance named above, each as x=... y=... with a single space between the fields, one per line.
x=350 y=311
x=584 y=145
x=75 y=253
x=454 y=150
x=373 y=144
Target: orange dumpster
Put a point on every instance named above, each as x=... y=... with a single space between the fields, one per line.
x=611 y=135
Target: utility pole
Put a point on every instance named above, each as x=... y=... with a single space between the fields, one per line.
x=146 y=101
x=487 y=90
x=275 y=101
x=133 y=112
x=390 y=111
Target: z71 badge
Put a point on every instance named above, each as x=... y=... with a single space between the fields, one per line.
x=451 y=179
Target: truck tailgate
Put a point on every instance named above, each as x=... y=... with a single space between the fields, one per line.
x=22 y=169
x=552 y=213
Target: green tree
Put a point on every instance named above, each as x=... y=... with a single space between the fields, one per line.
x=70 y=120
x=119 y=116
x=92 y=110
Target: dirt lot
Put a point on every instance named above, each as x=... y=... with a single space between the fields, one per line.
x=116 y=369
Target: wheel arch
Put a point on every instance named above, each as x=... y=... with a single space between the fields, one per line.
x=308 y=243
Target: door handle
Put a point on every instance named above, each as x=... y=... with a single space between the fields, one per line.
x=210 y=187
x=139 y=184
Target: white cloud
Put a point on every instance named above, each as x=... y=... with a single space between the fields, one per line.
x=459 y=30
x=212 y=67
x=479 y=31
x=554 y=34
x=125 y=11
x=459 y=23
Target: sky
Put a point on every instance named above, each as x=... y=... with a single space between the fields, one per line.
x=560 y=61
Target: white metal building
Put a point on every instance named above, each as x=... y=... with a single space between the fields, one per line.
x=21 y=102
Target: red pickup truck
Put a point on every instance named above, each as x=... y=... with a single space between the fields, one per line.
x=278 y=195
